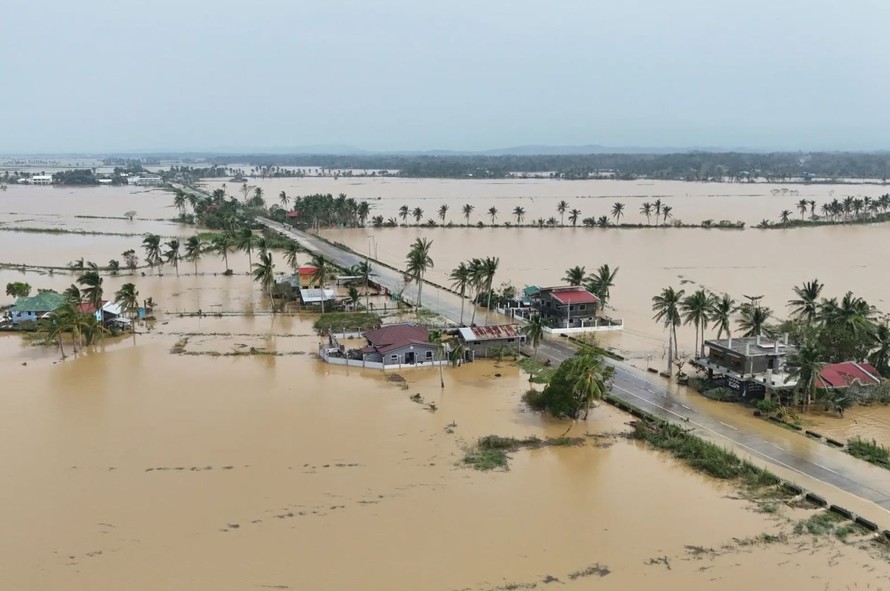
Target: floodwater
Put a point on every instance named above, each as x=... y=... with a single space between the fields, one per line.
x=132 y=466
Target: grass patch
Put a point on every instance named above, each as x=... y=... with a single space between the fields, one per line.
x=870 y=451
x=492 y=451
x=822 y=523
x=540 y=372
x=701 y=455
x=346 y=321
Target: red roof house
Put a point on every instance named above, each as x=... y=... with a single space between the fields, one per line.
x=846 y=374
x=399 y=343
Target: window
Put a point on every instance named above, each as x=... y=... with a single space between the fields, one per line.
x=582 y=307
x=429 y=354
x=394 y=358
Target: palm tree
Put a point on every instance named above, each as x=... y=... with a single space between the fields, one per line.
x=519 y=212
x=363 y=271
x=403 y=213
x=72 y=294
x=721 y=312
x=646 y=210
x=322 y=269
x=179 y=201
x=602 y=221
x=880 y=340
x=437 y=337
x=561 y=209
x=601 y=282
x=443 y=211
x=419 y=261
x=460 y=280
x=128 y=298
x=92 y=292
x=173 y=255
x=194 y=248
x=284 y=200
x=467 y=210
x=785 y=217
x=575 y=275
x=666 y=306
x=806 y=305
x=617 y=211
x=291 y=255
x=589 y=380
x=657 y=206
x=493 y=214
x=223 y=243
x=489 y=269
x=753 y=317
x=62 y=320
x=666 y=213
x=695 y=308
x=264 y=274
x=417 y=213
x=152 y=245
x=476 y=268
x=804 y=366
x=534 y=331
x=802 y=206
x=573 y=217
x=245 y=240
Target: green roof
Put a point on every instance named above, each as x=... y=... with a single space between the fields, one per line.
x=531 y=290
x=43 y=302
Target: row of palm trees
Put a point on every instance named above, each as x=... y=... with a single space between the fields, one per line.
x=598 y=283
x=158 y=253
x=477 y=277
x=850 y=209
x=660 y=210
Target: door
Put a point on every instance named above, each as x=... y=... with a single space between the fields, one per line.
x=409 y=358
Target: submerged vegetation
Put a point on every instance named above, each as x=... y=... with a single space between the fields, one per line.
x=870 y=451
x=492 y=451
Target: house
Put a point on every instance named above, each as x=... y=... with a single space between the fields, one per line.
x=399 y=344
x=485 y=341
x=847 y=374
x=108 y=311
x=566 y=307
x=316 y=296
x=307 y=276
x=36 y=307
x=521 y=301
x=748 y=365
x=148 y=181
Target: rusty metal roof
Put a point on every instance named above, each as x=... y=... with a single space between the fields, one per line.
x=491 y=333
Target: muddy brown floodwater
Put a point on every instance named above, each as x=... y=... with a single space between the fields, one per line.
x=131 y=466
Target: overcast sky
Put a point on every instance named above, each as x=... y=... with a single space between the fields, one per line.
x=131 y=75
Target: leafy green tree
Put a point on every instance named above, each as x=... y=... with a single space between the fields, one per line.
x=575 y=276
x=114 y=266
x=353 y=295
x=130 y=259
x=18 y=289
x=666 y=306
x=577 y=382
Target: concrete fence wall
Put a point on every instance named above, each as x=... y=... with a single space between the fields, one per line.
x=324 y=353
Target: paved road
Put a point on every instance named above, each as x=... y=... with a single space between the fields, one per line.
x=772 y=444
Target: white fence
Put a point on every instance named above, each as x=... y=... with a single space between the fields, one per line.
x=326 y=355
x=583 y=329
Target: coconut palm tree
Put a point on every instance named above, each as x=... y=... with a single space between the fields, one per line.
x=320 y=276
x=721 y=312
x=803 y=367
x=601 y=282
x=519 y=212
x=802 y=206
x=657 y=206
x=443 y=211
x=575 y=275
x=92 y=291
x=561 y=209
x=602 y=221
x=128 y=298
x=666 y=213
x=666 y=306
x=179 y=201
x=467 y=210
x=264 y=274
x=222 y=244
x=152 y=245
x=785 y=217
x=880 y=341
x=806 y=305
x=460 y=280
x=292 y=254
x=534 y=331
x=589 y=380
x=246 y=241
x=418 y=262
x=363 y=272
x=695 y=308
x=493 y=214
x=437 y=337
x=489 y=269
x=284 y=200
x=753 y=318
x=617 y=211
x=646 y=210
x=194 y=248
x=403 y=213
x=573 y=217
x=417 y=214
x=173 y=255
